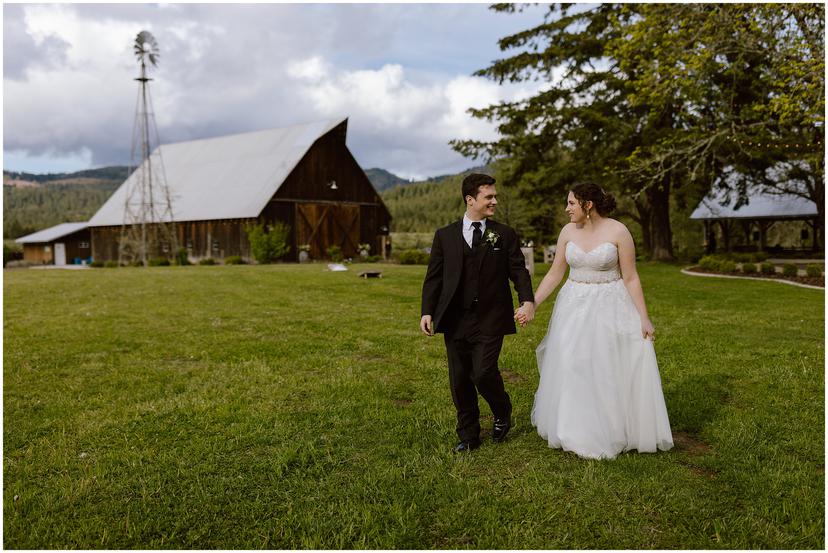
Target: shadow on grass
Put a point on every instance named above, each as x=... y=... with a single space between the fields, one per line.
x=696 y=401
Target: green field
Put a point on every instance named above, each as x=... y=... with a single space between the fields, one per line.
x=289 y=407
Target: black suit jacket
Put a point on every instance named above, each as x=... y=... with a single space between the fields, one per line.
x=499 y=263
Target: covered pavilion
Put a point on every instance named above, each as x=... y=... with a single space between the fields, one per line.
x=754 y=218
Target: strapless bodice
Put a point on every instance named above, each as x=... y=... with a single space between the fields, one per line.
x=598 y=265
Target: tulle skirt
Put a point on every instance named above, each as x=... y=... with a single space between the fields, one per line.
x=600 y=390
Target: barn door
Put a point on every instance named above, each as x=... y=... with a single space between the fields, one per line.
x=60 y=253
x=325 y=225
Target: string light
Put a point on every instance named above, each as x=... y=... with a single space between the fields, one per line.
x=775 y=145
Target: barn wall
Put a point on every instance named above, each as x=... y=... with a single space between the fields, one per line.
x=73 y=245
x=105 y=243
x=217 y=239
x=202 y=239
x=307 y=202
x=37 y=254
x=326 y=161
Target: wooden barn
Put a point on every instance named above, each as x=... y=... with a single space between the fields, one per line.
x=304 y=176
x=63 y=244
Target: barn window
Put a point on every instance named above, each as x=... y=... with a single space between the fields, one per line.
x=84 y=245
x=215 y=246
x=165 y=247
x=47 y=249
x=189 y=244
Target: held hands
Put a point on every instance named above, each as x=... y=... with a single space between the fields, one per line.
x=525 y=313
x=426 y=325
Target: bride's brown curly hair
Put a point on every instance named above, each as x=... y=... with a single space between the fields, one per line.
x=590 y=192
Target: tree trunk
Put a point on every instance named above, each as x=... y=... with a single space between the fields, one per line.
x=644 y=220
x=661 y=239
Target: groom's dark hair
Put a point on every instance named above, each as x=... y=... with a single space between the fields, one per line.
x=473 y=182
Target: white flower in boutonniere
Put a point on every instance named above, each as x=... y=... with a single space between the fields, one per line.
x=491 y=237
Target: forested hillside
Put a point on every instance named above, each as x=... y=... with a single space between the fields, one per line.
x=33 y=202
x=426 y=206
x=27 y=209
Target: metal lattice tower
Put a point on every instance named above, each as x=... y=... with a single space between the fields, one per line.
x=148 y=229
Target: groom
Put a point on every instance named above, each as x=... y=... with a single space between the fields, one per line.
x=466 y=296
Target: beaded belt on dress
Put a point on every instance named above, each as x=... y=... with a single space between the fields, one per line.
x=589 y=276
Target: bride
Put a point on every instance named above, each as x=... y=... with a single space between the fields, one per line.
x=600 y=391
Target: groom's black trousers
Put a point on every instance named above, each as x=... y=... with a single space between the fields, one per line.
x=472 y=362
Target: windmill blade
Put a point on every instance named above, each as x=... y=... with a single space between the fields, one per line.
x=146 y=48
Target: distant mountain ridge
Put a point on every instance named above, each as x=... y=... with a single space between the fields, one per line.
x=382 y=179
x=113 y=173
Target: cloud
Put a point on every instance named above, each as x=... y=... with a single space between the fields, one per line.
x=398 y=123
x=400 y=72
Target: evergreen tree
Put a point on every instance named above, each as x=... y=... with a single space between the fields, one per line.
x=656 y=100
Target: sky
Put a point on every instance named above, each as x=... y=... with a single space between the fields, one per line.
x=401 y=73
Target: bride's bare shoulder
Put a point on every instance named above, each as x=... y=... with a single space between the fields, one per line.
x=566 y=231
x=617 y=226
x=619 y=232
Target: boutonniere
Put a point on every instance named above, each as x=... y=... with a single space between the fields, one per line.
x=491 y=237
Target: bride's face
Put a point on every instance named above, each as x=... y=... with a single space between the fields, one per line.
x=574 y=209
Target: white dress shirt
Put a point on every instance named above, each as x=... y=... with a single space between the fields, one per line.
x=468 y=229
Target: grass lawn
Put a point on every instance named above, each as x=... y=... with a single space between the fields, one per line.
x=289 y=407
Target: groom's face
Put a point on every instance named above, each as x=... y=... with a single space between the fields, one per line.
x=482 y=205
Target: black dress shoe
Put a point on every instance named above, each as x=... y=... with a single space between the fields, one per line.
x=466 y=446
x=501 y=428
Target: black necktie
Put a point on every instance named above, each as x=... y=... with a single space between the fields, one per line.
x=477 y=234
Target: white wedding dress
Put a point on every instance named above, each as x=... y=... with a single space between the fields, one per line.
x=600 y=391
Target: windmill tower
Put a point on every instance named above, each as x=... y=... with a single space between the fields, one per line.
x=148 y=229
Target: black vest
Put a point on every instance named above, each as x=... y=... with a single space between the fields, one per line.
x=470 y=279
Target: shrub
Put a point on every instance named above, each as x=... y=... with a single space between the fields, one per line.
x=741 y=257
x=334 y=253
x=768 y=269
x=181 y=257
x=98 y=264
x=11 y=253
x=748 y=268
x=414 y=257
x=159 y=262
x=234 y=260
x=759 y=257
x=372 y=259
x=267 y=244
x=710 y=263
x=207 y=261
x=789 y=269
x=727 y=266
x=19 y=263
x=813 y=271
x=111 y=264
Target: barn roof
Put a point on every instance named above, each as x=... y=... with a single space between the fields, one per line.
x=228 y=177
x=51 y=233
x=761 y=205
